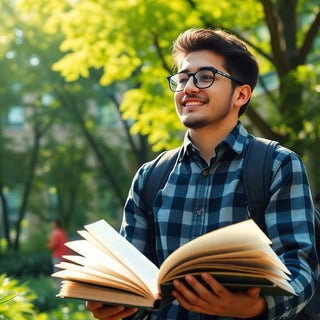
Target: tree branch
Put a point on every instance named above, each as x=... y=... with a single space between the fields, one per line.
x=267 y=91
x=276 y=34
x=210 y=24
x=161 y=56
x=262 y=126
x=309 y=38
x=73 y=106
x=140 y=156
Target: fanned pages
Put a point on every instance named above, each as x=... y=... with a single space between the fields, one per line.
x=107 y=268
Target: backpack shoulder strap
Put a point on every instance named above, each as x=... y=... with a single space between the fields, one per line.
x=317 y=231
x=154 y=180
x=158 y=175
x=256 y=176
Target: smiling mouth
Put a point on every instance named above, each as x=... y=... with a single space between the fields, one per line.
x=193 y=103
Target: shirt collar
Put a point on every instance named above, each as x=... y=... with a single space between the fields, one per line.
x=234 y=141
x=237 y=138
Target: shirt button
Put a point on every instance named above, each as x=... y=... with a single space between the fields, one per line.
x=199 y=212
x=205 y=173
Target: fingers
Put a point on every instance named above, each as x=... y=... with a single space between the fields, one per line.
x=216 y=287
x=254 y=292
x=193 y=297
x=211 y=297
x=91 y=305
x=102 y=312
x=202 y=296
x=210 y=289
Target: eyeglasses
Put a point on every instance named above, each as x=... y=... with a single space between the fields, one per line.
x=202 y=79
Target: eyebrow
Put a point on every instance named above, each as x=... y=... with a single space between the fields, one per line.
x=201 y=68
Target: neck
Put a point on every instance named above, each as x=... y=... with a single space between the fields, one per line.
x=207 y=138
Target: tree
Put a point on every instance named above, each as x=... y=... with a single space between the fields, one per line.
x=51 y=106
x=131 y=40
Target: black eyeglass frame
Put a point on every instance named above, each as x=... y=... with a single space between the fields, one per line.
x=194 y=79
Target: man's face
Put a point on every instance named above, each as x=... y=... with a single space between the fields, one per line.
x=198 y=108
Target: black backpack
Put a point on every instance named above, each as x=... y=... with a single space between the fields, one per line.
x=256 y=167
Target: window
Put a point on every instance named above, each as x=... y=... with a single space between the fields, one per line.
x=15 y=117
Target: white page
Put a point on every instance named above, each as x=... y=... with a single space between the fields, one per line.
x=86 y=274
x=125 y=252
x=93 y=253
x=114 y=269
x=245 y=235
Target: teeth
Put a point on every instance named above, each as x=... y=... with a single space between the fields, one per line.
x=193 y=103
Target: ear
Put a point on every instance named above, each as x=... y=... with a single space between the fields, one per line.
x=242 y=95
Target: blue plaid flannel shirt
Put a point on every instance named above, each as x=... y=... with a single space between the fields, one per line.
x=198 y=198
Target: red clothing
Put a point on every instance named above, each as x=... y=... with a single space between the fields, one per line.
x=57 y=241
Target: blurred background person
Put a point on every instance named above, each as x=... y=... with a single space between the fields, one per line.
x=58 y=238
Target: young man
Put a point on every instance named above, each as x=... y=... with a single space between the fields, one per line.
x=204 y=191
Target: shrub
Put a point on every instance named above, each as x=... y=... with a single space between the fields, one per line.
x=15 y=300
x=45 y=290
x=72 y=310
x=34 y=299
x=48 y=306
x=26 y=264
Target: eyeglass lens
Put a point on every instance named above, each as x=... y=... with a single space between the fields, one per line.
x=201 y=79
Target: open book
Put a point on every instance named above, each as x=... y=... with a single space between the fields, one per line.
x=108 y=268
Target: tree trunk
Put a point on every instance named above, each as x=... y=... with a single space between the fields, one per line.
x=5 y=218
x=27 y=187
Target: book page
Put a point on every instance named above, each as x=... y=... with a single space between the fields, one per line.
x=125 y=252
x=114 y=270
x=70 y=289
x=241 y=281
x=87 y=236
x=242 y=236
x=255 y=266
x=98 y=257
x=223 y=267
x=85 y=275
x=253 y=258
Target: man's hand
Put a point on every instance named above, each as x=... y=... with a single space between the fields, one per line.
x=218 y=300
x=102 y=312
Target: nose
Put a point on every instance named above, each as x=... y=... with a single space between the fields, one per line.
x=191 y=85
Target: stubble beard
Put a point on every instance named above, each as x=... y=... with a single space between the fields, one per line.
x=195 y=122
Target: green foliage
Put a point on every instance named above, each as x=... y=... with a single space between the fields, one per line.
x=67 y=311
x=45 y=290
x=50 y=307
x=128 y=43
x=15 y=300
x=70 y=197
x=144 y=107
x=34 y=299
x=26 y=264
x=109 y=42
x=6 y=27
x=309 y=135
x=63 y=177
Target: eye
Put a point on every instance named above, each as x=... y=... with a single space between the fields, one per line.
x=182 y=78
x=205 y=76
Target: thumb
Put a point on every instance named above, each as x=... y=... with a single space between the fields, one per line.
x=254 y=292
